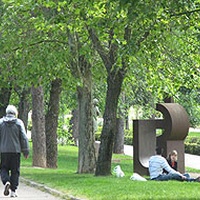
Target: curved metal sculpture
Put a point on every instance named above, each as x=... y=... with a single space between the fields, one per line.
x=176 y=122
x=175 y=126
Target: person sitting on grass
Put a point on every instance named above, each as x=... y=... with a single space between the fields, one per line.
x=173 y=162
x=157 y=164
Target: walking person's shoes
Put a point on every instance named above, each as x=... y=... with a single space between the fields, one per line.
x=13 y=194
x=7 y=187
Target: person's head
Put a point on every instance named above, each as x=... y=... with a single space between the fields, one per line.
x=11 y=110
x=159 y=150
x=173 y=155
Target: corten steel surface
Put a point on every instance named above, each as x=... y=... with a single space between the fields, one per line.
x=175 y=126
x=176 y=122
x=144 y=143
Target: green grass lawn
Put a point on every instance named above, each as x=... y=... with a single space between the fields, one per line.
x=88 y=186
x=194 y=134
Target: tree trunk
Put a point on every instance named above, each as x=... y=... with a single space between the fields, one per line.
x=38 y=129
x=74 y=121
x=114 y=82
x=119 y=137
x=86 y=158
x=51 y=123
x=82 y=70
x=24 y=106
x=5 y=94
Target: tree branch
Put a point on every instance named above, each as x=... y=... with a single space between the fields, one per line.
x=98 y=47
x=42 y=41
x=185 y=13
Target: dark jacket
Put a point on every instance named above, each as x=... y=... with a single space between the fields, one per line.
x=13 y=137
x=175 y=167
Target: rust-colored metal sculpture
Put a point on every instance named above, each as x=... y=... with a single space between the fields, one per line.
x=175 y=126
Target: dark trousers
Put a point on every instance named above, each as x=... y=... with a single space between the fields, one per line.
x=10 y=169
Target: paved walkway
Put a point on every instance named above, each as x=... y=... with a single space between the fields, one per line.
x=26 y=192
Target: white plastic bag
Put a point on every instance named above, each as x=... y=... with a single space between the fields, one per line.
x=137 y=177
x=118 y=171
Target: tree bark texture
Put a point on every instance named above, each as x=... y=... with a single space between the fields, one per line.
x=24 y=106
x=51 y=123
x=74 y=121
x=38 y=127
x=114 y=82
x=119 y=137
x=86 y=156
x=5 y=94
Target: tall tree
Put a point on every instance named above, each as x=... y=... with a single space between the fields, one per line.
x=51 y=123
x=81 y=68
x=24 y=105
x=38 y=129
x=114 y=82
x=5 y=94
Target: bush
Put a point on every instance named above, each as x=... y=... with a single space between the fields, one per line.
x=192 y=145
x=128 y=140
x=63 y=131
x=128 y=137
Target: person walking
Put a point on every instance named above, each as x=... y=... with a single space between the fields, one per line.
x=13 y=142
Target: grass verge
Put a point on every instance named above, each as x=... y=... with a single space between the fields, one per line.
x=87 y=186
